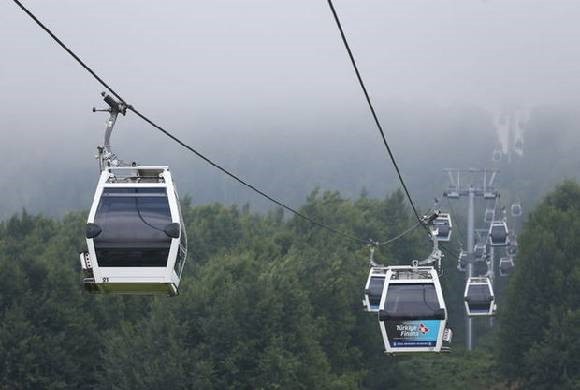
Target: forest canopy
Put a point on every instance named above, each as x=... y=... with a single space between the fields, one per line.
x=273 y=302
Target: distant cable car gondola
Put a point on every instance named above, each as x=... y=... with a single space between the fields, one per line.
x=489 y=215
x=451 y=193
x=444 y=227
x=479 y=252
x=506 y=266
x=497 y=155
x=374 y=288
x=519 y=146
x=490 y=195
x=136 y=241
x=516 y=209
x=412 y=314
x=512 y=248
x=498 y=233
x=479 y=298
x=462 y=261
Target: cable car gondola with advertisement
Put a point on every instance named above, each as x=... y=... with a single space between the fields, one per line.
x=135 y=235
x=412 y=314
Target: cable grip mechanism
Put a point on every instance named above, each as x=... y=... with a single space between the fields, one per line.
x=436 y=254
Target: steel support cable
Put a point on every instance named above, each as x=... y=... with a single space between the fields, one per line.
x=373 y=112
x=197 y=153
x=459 y=230
x=449 y=251
x=246 y=184
x=400 y=235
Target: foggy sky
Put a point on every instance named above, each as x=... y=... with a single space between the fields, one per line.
x=214 y=62
x=210 y=70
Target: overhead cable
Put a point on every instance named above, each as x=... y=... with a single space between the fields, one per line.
x=373 y=112
x=400 y=235
x=461 y=236
x=183 y=144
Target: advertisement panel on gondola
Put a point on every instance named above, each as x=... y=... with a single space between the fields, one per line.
x=413 y=333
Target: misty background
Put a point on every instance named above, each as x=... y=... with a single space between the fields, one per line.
x=266 y=89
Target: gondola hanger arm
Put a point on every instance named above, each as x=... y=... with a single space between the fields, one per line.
x=436 y=254
x=105 y=154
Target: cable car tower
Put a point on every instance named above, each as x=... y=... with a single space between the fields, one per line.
x=472 y=183
x=135 y=235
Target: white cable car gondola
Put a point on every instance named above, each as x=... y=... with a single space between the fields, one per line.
x=374 y=288
x=499 y=233
x=479 y=252
x=489 y=215
x=412 y=314
x=506 y=266
x=452 y=193
x=516 y=209
x=519 y=146
x=444 y=227
x=512 y=248
x=136 y=241
x=462 y=261
x=497 y=155
x=479 y=298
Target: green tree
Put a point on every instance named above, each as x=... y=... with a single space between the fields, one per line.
x=539 y=320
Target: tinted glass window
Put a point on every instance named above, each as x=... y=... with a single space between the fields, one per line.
x=478 y=293
x=376 y=290
x=443 y=230
x=133 y=222
x=498 y=232
x=412 y=300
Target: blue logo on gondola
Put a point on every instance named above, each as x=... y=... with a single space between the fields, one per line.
x=413 y=333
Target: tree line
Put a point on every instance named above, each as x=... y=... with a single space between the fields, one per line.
x=272 y=302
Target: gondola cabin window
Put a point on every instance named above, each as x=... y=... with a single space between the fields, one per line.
x=412 y=300
x=133 y=222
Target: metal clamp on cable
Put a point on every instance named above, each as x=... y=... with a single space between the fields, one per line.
x=114 y=106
